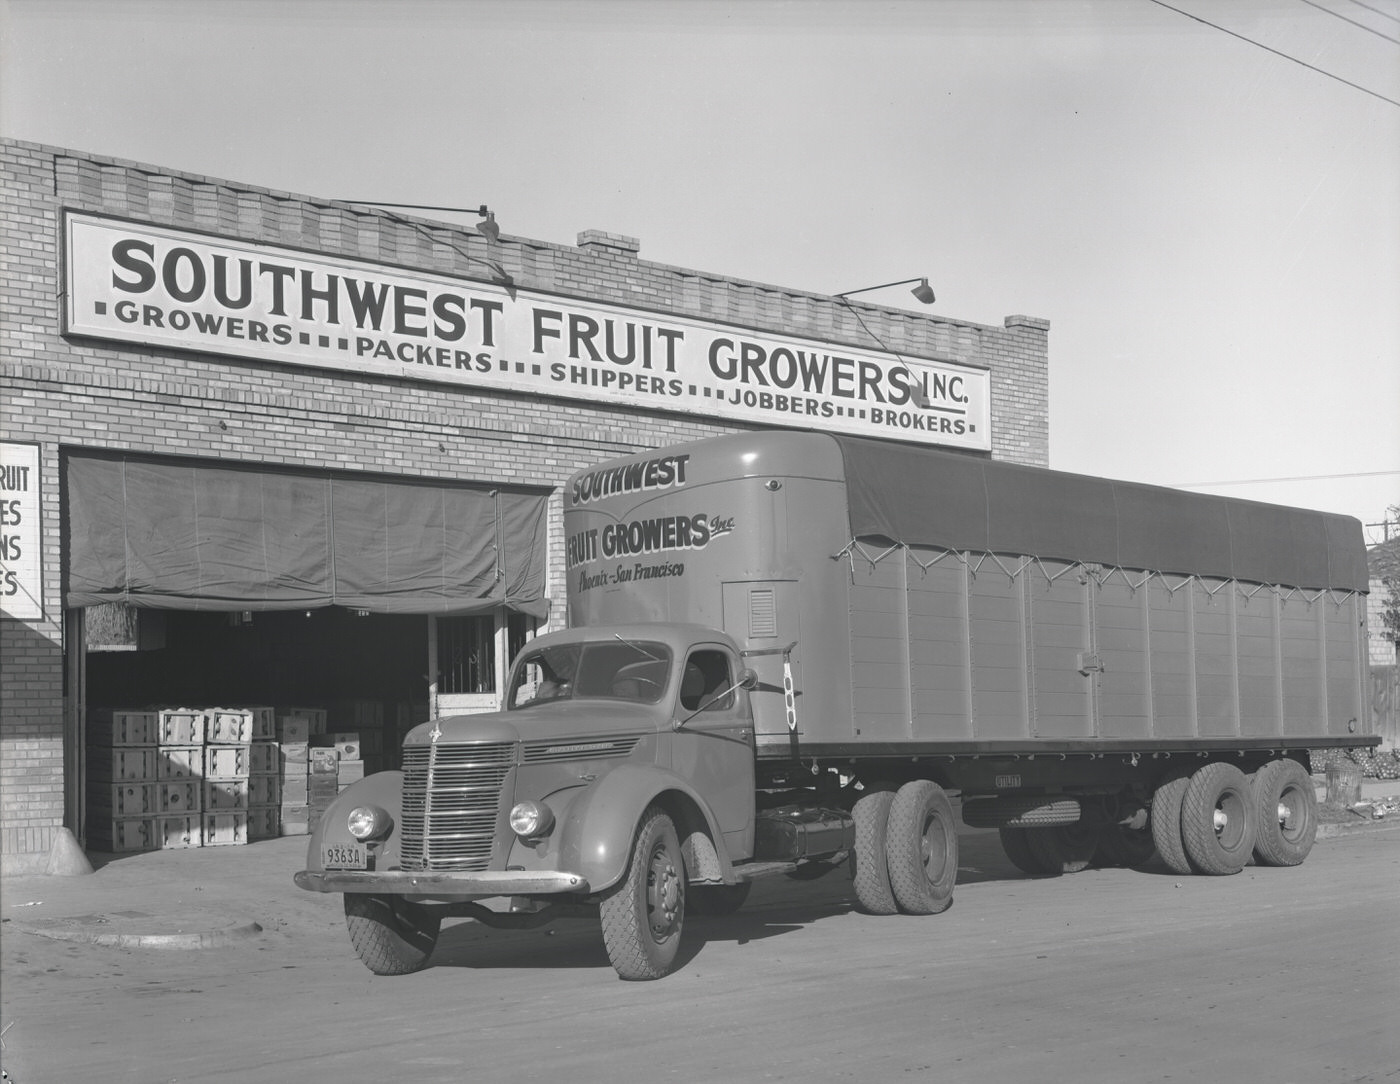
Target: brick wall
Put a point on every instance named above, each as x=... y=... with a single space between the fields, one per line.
x=82 y=393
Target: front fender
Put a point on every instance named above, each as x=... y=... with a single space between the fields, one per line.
x=384 y=789
x=597 y=832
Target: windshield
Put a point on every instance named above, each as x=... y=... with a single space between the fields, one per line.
x=606 y=670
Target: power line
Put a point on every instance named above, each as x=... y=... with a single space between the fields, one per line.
x=1353 y=22
x=1378 y=11
x=1267 y=49
x=1294 y=478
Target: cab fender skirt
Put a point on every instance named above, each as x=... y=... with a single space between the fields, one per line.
x=597 y=831
x=384 y=789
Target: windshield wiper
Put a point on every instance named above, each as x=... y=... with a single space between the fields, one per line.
x=637 y=648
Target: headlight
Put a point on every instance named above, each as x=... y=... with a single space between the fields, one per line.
x=529 y=820
x=368 y=822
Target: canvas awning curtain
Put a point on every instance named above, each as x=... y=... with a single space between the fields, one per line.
x=920 y=496
x=190 y=535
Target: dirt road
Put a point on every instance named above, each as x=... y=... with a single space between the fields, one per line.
x=1108 y=975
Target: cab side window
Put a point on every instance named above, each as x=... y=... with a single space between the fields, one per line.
x=706 y=673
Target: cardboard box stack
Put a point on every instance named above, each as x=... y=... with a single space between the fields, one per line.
x=322 y=781
x=121 y=774
x=295 y=728
x=349 y=752
x=358 y=723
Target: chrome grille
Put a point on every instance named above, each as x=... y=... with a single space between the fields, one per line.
x=451 y=799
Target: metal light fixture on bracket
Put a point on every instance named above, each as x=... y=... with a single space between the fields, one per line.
x=923 y=292
x=487 y=227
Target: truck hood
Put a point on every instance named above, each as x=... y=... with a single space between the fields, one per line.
x=564 y=719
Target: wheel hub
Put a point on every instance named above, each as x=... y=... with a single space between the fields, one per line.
x=663 y=895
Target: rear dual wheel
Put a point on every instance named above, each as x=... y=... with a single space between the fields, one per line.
x=906 y=850
x=869 y=869
x=921 y=848
x=1217 y=819
x=1205 y=822
x=1285 y=805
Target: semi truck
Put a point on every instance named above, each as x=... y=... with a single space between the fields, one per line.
x=791 y=652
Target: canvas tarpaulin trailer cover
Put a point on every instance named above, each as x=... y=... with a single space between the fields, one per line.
x=193 y=535
x=923 y=497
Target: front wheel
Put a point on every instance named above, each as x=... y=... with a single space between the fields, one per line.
x=391 y=935
x=644 y=912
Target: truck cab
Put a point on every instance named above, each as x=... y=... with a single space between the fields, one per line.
x=508 y=816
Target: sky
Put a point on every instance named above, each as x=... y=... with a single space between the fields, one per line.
x=1208 y=216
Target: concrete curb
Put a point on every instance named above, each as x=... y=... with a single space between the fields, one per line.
x=1339 y=829
x=204 y=940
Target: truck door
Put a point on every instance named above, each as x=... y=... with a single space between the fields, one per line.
x=713 y=746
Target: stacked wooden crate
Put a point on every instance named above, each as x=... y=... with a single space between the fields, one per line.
x=180 y=773
x=295 y=729
x=121 y=774
x=228 y=766
x=264 y=778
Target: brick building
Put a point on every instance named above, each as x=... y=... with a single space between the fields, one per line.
x=199 y=375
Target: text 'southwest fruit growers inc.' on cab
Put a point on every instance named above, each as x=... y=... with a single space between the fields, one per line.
x=135 y=282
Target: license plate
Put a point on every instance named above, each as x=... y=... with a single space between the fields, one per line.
x=344 y=856
x=1007 y=782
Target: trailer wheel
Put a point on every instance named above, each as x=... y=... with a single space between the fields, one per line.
x=1285 y=806
x=1016 y=844
x=717 y=900
x=644 y=912
x=921 y=848
x=1068 y=848
x=869 y=870
x=391 y=935
x=1165 y=823
x=1217 y=819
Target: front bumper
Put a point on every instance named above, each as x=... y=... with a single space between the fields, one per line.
x=455 y=886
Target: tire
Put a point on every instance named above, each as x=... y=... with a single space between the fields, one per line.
x=1016 y=844
x=1066 y=849
x=1285 y=806
x=1217 y=819
x=717 y=900
x=644 y=913
x=921 y=848
x=1166 y=823
x=391 y=935
x=1124 y=847
x=869 y=870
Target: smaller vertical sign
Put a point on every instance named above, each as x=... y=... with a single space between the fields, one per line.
x=21 y=533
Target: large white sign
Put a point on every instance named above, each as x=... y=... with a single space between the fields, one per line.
x=21 y=533
x=147 y=284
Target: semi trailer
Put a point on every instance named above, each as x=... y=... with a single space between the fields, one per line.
x=789 y=652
